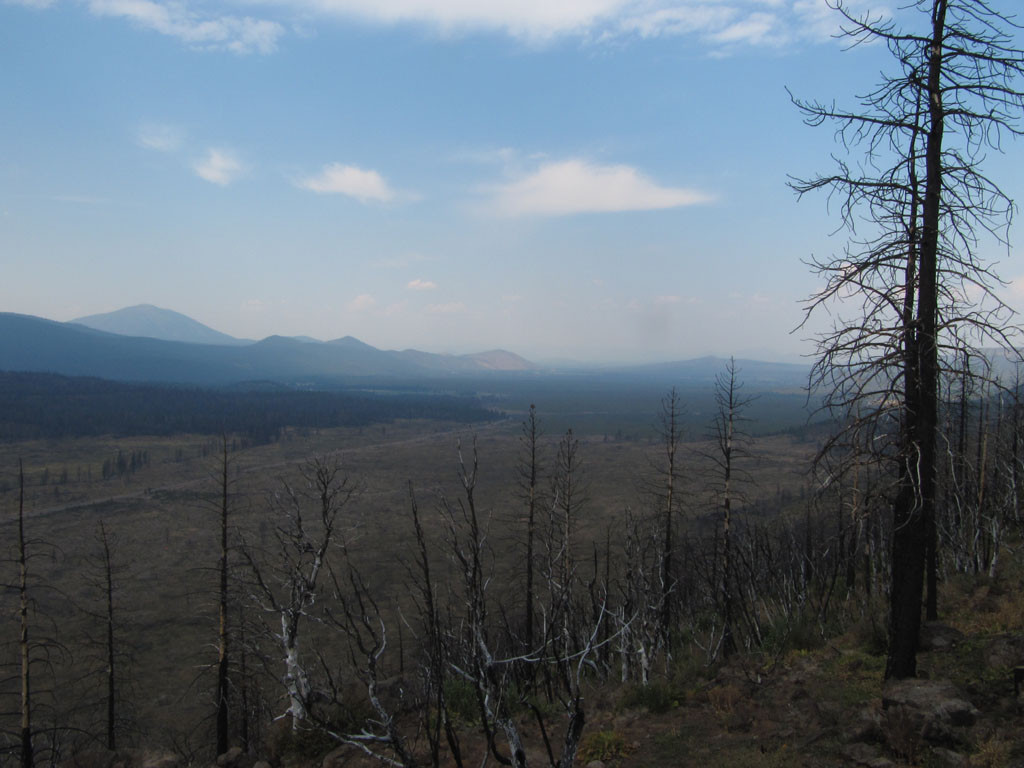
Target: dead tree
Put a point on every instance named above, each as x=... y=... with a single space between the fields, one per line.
x=529 y=487
x=569 y=495
x=289 y=583
x=27 y=748
x=665 y=492
x=916 y=208
x=37 y=724
x=107 y=663
x=729 y=447
x=223 y=604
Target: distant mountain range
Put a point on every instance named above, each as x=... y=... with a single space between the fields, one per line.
x=150 y=344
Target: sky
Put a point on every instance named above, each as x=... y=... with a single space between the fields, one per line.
x=594 y=180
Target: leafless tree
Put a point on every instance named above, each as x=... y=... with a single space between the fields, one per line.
x=667 y=494
x=105 y=658
x=916 y=205
x=288 y=584
x=729 y=447
x=27 y=749
x=529 y=486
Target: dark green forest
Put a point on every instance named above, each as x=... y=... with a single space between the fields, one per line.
x=39 y=405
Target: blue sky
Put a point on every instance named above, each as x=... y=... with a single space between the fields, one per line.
x=600 y=180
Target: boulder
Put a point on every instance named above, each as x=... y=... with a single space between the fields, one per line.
x=230 y=758
x=161 y=760
x=936 y=636
x=92 y=758
x=1005 y=651
x=947 y=758
x=865 y=727
x=336 y=758
x=865 y=755
x=928 y=710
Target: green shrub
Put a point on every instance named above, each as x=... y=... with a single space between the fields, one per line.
x=602 y=745
x=656 y=697
x=461 y=701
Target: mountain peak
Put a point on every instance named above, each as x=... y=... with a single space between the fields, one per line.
x=153 y=322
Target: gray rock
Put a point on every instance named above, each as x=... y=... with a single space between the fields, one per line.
x=919 y=694
x=931 y=710
x=92 y=758
x=1005 y=651
x=947 y=758
x=334 y=759
x=160 y=760
x=230 y=758
x=956 y=712
x=866 y=726
x=936 y=636
x=860 y=753
x=936 y=699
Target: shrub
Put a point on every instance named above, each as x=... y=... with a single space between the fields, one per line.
x=656 y=697
x=602 y=745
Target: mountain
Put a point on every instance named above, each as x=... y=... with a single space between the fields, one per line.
x=30 y=343
x=500 y=360
x=155 y=323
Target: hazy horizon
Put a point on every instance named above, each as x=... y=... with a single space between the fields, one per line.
x=606 y=362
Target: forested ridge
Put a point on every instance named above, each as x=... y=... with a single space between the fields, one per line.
x=40 y=405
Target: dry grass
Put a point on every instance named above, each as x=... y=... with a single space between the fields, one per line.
x=164 y=519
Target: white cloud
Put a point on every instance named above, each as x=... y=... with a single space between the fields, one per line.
x=364 y=302
x=717 y=22
x=231 y=33
x=421 y=285
x=452 y=308
x=680 y=20
x=338 y=179
x=756 y=29
x=162 y=138
x=576 y=186
x=530 y=19
x=218 y=167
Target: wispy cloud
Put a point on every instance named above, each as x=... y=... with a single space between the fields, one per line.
x=451 y=308
x=421 y=285
x=719 y=23
x=755 y=29
x=240 y=35
x=349 y=180
x=364 y=302
x=697 y=18
x=220 y=166
x=575 y=186
x=161 y=138
x=531 y=19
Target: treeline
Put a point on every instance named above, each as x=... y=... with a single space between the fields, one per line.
x=48 y=406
